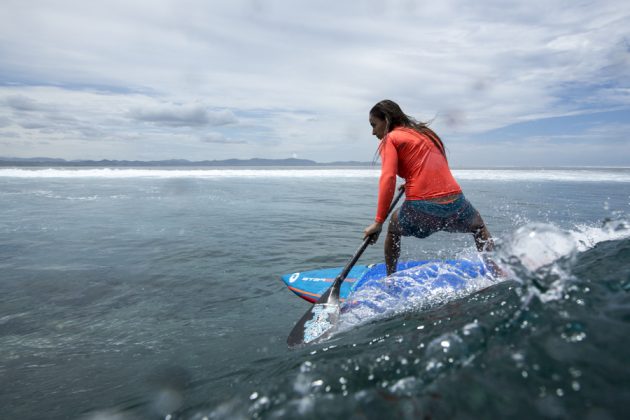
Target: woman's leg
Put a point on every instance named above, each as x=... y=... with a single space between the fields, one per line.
x=392 y=244
x=484 y=242
x=483 y=239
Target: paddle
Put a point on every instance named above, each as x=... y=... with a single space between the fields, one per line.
x=319 y=321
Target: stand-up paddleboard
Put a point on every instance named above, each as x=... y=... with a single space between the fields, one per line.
x=310 y=285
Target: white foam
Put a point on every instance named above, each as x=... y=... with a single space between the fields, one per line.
x=541 y=255
x=406 y=291
x=188 y=173
x=587 y=237
x=537 y=245
x=540 y=175
x=563 y=175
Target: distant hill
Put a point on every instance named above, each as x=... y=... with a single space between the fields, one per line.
x=52 y=162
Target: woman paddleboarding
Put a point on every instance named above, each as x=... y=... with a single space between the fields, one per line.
x=433 y=199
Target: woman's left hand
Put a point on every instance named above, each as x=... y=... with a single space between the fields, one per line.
x=373 y=230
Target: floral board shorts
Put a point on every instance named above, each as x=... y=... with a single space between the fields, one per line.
x=421 y=218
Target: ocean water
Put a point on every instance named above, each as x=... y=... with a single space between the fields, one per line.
x=156 y=293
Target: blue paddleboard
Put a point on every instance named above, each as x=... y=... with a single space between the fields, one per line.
x=310 y=285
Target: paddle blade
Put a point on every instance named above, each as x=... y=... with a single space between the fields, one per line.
x=319 y=321
x=316 y=324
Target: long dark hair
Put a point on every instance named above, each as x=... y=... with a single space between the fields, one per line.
x=390 y=112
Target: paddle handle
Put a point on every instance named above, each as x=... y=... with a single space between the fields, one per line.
x=344 y=273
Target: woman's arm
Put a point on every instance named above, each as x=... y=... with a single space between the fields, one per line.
x=387 y=182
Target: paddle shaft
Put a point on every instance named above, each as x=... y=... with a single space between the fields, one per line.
x=321 y=318
x=344 y=273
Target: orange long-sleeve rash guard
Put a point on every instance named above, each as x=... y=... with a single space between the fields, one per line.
x=414 y=157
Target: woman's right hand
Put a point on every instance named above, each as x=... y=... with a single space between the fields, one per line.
x=373 y=231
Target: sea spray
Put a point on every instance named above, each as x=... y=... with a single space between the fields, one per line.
x=415 y=289
x=542 y=355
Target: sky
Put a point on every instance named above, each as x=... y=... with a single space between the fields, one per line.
x=504 y=83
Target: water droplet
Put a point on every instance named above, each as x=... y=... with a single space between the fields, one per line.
x=306 y=366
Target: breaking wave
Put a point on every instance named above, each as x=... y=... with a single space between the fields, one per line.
x=542 y=175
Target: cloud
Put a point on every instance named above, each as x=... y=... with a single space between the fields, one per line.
x=218 y=138
x=25 y=104
x=5 y=122
x=183 y=116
